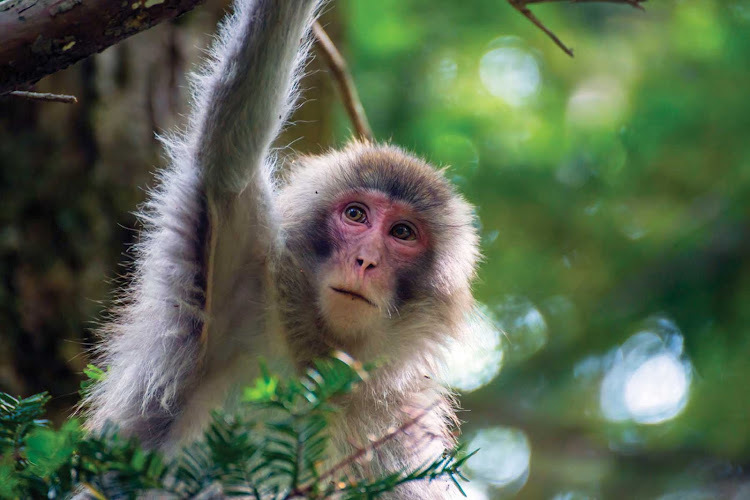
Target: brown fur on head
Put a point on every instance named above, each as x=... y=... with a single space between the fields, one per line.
x=414 y=304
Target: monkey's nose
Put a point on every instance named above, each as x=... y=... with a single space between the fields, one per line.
x=366 y=263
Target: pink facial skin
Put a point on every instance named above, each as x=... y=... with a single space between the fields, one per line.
x=376 y=239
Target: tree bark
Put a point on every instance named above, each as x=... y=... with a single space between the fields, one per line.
x=40 y=37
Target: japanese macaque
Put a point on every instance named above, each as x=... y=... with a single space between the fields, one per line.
x=369 y=251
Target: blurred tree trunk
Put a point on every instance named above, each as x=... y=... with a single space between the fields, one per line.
x=70 y=178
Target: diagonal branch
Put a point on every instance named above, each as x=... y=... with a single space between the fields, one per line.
x=340 y=73
x=366 y=450
x=521 y=6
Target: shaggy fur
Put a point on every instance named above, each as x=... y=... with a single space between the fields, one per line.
x=228 y=259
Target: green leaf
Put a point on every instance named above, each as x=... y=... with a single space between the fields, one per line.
x=264 y=390
x=93 y=374
x=48 y=450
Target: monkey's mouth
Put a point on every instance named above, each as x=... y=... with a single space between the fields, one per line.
x=353 y=295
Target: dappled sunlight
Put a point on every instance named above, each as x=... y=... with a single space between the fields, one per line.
x=504 y=459
x=472 y=365
x=510 y=73
x=648 y=381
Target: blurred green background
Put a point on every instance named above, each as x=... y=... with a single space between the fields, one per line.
x=613 y=191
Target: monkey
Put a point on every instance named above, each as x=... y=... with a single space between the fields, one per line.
x=368 y=250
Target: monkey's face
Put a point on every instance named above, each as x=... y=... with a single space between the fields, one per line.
x=378 y=245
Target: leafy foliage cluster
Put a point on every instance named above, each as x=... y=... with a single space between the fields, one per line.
x=274 y=447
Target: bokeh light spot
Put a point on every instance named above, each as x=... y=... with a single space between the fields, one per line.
x=510 y=73
x=656 y=391
x=472 y=365
x=648 y=380
x=523 y=326
x=504 y=458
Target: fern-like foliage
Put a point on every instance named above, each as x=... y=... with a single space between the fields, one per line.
x=274 y=448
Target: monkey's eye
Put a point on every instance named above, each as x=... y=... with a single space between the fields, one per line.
x=355 y=213
x=403 y=232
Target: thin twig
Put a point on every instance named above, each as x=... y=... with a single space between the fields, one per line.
x=521 y=6
x=337 y=66
x=39 y=96
x=364 y=451
x=632 y=3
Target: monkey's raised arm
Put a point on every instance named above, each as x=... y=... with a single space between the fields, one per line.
x=246 y=92
x=207 y=229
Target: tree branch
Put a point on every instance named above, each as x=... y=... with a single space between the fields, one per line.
x=40 y=37
x=37 y=96
x=521 y=6
x=342 y=77
x=366 y=450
